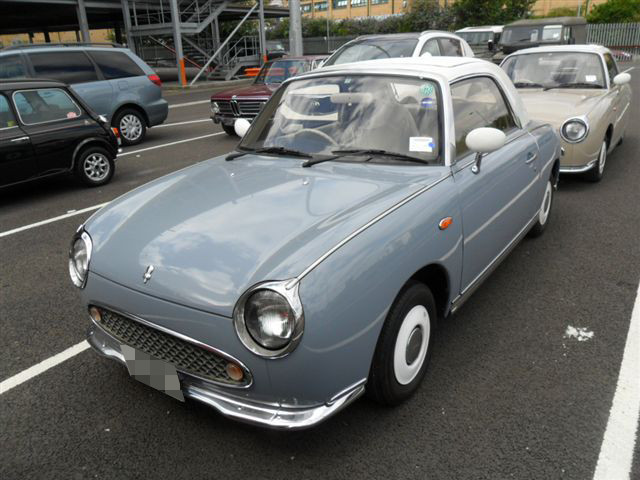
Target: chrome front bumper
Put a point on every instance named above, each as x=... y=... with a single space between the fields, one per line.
x=578 y=169
x=271 y=415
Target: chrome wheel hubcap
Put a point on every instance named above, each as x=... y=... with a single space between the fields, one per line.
x=96 y=167
x=411 y=345
x=130 y=127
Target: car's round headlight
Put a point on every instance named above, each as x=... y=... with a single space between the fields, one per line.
x=269 y=319
x=79 y=257
x=574 y=130
x=215 y=108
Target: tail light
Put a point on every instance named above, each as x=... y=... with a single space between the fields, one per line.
x=155 y=79
x=116 y=132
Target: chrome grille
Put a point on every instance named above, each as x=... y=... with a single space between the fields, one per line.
x=250 y=107
x=225 y=107
x=185 y=356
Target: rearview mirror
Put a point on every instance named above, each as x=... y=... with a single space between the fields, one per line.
x=622 y=78
x=241 y=126
x=482 y=141
x=490 y=45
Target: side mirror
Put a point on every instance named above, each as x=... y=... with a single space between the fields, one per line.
x=241 y=126
x=490 y=45
x=622 y=78
x=482 y=141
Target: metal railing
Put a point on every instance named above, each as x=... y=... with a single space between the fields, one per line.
x=616 y=36
x=247 y=46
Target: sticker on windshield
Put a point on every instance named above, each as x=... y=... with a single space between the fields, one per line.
x=421 y=144
x=427 y=102
x=426 y=89
x=590 y=78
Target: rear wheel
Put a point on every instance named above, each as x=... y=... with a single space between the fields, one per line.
x=229 y=130
x=131 y=125
x=404 y=347
x=596 y=173
x=94 y=166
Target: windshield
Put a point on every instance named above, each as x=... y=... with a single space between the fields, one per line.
x=555 y=69
x=279 y=70
x=476 y=38
x=372 y=49
x=329 y=114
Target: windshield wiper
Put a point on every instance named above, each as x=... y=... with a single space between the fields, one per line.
x=573 y=85
x=275 y=150
x=527 y=85
x=385 y=153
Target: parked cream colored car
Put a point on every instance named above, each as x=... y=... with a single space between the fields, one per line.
x=580 y=90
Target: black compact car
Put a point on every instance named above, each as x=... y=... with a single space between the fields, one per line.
x=45 y=129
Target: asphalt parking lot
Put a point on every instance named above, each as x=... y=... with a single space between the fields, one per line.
x=508 y=394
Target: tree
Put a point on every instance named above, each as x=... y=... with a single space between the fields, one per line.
x=471 y=13
x=615 y=11
x=427 y=15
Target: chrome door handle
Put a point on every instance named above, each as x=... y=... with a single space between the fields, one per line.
x=20 y=139
x=531 y=157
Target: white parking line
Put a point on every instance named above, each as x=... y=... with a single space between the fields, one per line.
x=72 y=213
x=42 y=367
x=616 y=452
x=188 y=104
x=95 y=207
x=182 y=123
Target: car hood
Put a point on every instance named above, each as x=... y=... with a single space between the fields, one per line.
x=251 y=91
x=556 y=105
x=214 y=229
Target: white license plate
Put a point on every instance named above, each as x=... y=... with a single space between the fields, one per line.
x=152 y=371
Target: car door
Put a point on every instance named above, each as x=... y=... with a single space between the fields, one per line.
x=17 y=162
x=620 y=100
x=75 y=68
x=55 y=123
x=500 y=200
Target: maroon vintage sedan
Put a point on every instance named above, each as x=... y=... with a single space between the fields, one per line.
x=246 y=102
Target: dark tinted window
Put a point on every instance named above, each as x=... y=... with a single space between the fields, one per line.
x=477 y=102
x=45 y=105
x=11 y=66
x=116 y=65
x=68 y=67
x=450 y=47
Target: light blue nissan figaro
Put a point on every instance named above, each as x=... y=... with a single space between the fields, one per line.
x=280 y=282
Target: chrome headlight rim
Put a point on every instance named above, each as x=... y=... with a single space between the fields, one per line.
x=79 y=279
x=291 y=295
x=581 y=120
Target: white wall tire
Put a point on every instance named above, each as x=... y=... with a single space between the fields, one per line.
x=597 y=172
x=545 y=210
x=404 y=347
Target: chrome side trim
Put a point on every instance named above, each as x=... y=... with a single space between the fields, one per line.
x=265 y=414
x=294 y=281
x=580 y=169
x=476 y=282
x=180 y=336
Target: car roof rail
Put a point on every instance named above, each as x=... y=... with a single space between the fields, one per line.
x=68 y=44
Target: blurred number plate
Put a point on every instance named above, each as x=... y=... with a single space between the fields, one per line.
x=152 y=371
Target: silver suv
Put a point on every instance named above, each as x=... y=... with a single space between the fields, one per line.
x=110 y=79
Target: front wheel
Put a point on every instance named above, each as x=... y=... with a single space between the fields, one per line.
x=545 y=210
x=596 y=173
x=404 y=347
x=94 y=166
x=229 y=130
x=131 y=125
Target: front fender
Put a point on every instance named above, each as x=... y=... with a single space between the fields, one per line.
x=347 y=296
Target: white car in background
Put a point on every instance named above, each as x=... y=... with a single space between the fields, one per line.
x=433 y=43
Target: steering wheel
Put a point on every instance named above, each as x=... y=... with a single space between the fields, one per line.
x=317 y=133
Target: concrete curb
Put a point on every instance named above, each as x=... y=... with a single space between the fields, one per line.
x=209 y=86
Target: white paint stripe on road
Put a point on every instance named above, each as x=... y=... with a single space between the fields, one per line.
x=616 y=452
x=188 y=104
x=51 y=220
x=182 y=123
x=172 y=143
x=42 y=367
x=95 y=207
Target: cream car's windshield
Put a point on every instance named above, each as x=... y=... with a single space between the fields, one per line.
x=555 y=70
x=327 y=116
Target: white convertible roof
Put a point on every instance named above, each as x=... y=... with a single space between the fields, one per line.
x=483 y=28
x=444 y=69
x=565 y=48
